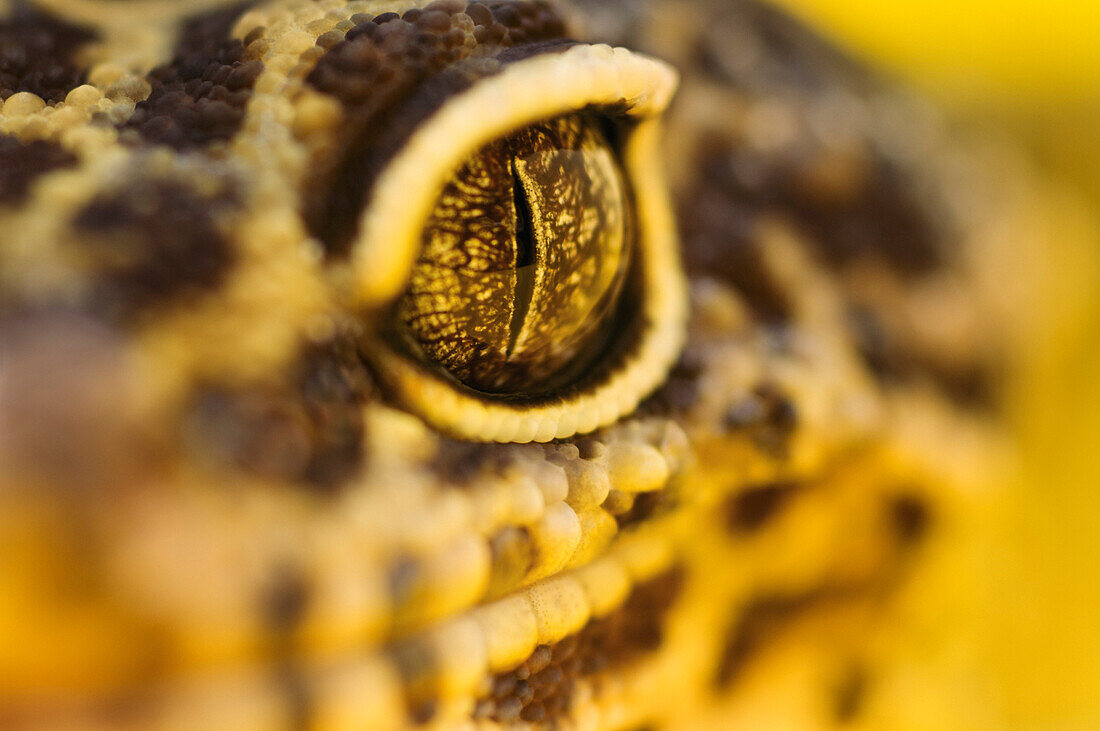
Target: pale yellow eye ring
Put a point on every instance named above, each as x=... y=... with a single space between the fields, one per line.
x=523 y=93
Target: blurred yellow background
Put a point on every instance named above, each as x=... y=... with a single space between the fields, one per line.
x=1030 y=71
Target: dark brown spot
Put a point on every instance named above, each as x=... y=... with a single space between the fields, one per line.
x=38 y=53
x=261 y=431
x=758 y=624
x=307 y=429
x=204 y=32
x=460 y=463
x=850 y=694
x=910 y=518
x=765 y=618
x=973 y=385
x=638 y=626
x=154 y=241
x=21 y=163
x=883 y=217
x=199 y=97
x=589 y=448
x=877 y=346
x=871 y=211
x=646 y=505
x=855 y=202
x=750 y=509
x=423 y=713
x=389 y=74
x=893 y=362
x=767 y=416
x=334 y=385
x=284 y=600
x=720 y=239
x=541 y=689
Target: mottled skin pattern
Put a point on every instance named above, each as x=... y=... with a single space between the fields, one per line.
x=213 y=512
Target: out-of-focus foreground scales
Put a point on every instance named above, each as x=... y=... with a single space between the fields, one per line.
x=627 y=453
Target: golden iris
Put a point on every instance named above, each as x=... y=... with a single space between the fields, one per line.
x=523 y=260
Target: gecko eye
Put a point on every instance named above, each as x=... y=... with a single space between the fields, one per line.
x=522 y=260
x=518 y=255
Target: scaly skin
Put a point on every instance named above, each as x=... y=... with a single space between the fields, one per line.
x=229 y=500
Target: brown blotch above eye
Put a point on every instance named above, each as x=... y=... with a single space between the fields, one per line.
x=523 y=260
x=721 y=238
x=199 y=97
x=390 y=73
x=853 y=207
x=37 y=53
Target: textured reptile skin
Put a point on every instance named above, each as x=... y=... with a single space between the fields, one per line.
x=230 y=499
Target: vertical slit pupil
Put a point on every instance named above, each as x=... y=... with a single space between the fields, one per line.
x=525 y=259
